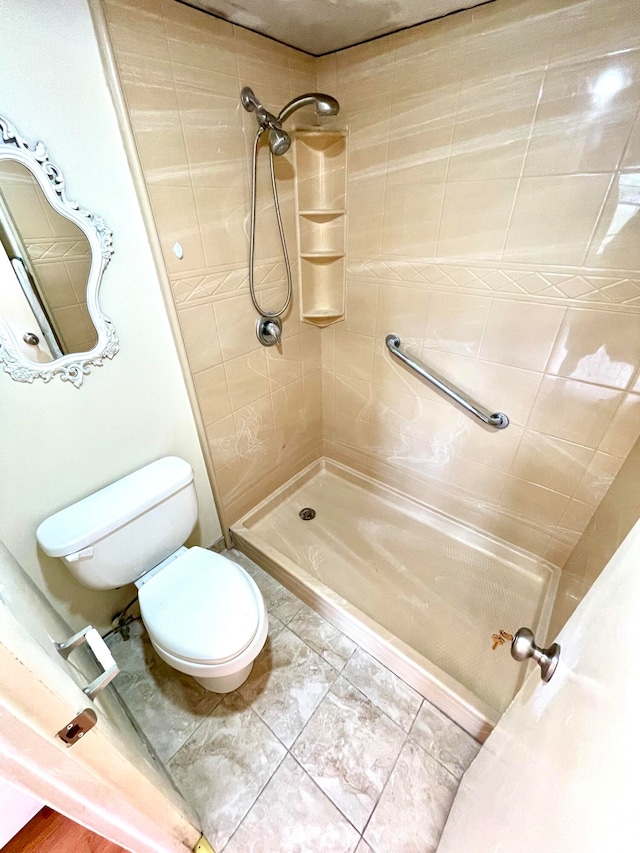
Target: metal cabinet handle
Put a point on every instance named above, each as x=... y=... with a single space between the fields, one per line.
x=101 y=653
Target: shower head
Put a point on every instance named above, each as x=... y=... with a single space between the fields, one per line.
x=279 y=141
x=325 y=105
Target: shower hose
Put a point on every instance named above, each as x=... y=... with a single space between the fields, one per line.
x=252 y=236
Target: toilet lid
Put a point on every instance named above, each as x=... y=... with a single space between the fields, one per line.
x=201 y=607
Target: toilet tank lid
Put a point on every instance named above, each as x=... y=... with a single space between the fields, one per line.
x=85 y=522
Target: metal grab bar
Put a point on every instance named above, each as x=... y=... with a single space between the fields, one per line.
x=498 y=420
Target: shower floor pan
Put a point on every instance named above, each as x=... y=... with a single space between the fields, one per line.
x=422 y=592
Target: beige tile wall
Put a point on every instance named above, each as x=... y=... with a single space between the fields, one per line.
x=182 y=72
x=493 y=226
x=609 y=525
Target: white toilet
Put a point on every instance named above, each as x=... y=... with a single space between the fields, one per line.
x=204 y=614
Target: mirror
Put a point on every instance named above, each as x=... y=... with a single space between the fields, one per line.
x=52 y=258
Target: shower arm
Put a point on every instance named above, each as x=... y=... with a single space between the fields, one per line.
x=324 y=105
x=294 y=105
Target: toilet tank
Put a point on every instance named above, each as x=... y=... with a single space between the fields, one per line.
x=114 y=536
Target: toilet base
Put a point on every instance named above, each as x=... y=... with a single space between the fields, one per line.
x=225 y=683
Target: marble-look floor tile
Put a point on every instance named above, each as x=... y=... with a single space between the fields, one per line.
x=292 y=815
x=275 y=626
x=349 y=747
x=412 y=811
x=444 y=740
x=287 y=684
x=351 y=728
x=130 y=653
x=323 y=637
x=279 y=601
x=386 y=690
x=167 y=705
x=225 y=765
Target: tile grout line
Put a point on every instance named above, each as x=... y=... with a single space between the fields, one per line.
x=375 y=704
x=418 y=746
x=521 y=176
x=435 y=758
x=289 y=750
x=326 y=796
x=449 y=155
x=379 y=709
x=616 y=173
x=307 y=773
x=384 y=787
x=260 y=792
x=339 y=671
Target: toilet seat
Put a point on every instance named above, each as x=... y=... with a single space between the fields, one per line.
x=201 y=608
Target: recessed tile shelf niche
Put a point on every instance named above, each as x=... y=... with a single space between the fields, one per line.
x=321 y=191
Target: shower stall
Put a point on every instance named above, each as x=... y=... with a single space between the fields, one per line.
x=438 y=217
x=421 y=591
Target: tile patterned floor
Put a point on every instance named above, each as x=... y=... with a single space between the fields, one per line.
x=321 y=750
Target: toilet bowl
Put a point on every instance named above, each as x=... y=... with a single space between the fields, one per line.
x=204 y=614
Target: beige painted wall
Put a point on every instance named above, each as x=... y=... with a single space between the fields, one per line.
x=493 y=227
x=58 y=443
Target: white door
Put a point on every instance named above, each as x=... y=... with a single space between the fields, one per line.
x=17 y=314
x=559 y=772
x=107 y=781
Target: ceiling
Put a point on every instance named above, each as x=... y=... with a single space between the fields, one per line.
x=322 y=26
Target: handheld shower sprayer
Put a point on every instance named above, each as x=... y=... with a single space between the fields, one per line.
x=269 y=327
x=279 y=139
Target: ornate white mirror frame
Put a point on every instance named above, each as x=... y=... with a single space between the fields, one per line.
x=74 y=366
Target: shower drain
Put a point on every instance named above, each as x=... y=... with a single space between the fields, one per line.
x=307 y=513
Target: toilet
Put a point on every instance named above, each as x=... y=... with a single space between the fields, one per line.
x=204 y=614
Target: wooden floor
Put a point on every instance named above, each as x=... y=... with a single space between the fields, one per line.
x=50 y=832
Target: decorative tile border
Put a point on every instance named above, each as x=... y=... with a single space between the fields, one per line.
x=57 y=248
x=210 y=285
x=583 y=286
